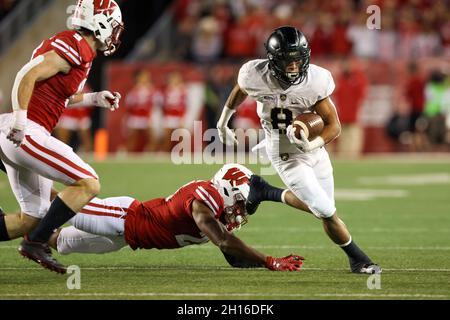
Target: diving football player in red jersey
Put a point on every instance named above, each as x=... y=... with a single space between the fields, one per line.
x=198 y=212
x=43 y=88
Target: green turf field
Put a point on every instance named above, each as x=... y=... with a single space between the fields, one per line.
x=399 y=212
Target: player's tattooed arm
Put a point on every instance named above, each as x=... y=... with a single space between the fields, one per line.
x=327 y=110
x=222 y=238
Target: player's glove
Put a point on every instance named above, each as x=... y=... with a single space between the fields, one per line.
x=17 y=133
x=16 y=136
x=226 y=135
x=288 y=263
x=303 y=144
x=105 y=99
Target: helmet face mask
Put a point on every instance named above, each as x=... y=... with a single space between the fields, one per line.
x=284 y=46
x=233 y=183
x=112 y=42
x=103 y=19
x=235 y=216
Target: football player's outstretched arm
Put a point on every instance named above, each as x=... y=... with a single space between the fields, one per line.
x=40 y=68
x=327 y=110
x=221 y=237
x=236 y=97
x=232 y=245
x=103 y=99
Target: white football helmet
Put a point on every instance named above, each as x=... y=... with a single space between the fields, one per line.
x=103 y=18
x=233 y=183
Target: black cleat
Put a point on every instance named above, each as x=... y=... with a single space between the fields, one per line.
x=42 y=254
x=366 y=268
x=257 y=187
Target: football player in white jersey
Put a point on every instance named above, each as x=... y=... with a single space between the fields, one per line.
x=284 y=86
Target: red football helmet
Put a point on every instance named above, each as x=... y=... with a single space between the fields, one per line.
x=233 y=183
x=103 y=18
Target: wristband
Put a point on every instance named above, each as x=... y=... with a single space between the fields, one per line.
x=20 y=119
x=317 y=143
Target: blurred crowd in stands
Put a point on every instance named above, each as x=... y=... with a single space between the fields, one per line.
x=217 y=36
x=235 y=29
x=411 y=30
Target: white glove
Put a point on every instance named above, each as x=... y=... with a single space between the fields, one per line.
x=226 y=135
x=303 y=144
x=17 y=132
x=104 y=99
x=16 y=136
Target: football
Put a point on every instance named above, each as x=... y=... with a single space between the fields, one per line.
x=311 y=123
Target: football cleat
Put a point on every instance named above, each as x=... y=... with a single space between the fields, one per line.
x=258 y=186
x=41 y=254
x=367 y=268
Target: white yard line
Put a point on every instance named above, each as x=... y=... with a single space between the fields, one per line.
x=420 y=179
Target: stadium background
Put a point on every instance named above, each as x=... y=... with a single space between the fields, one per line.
x=393 y=194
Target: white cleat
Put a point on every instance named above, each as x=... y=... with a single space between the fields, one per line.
x=370 y=269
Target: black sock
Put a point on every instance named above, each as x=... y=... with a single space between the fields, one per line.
x=58 y=214
x=3 y=231
x=273 y=194
x=355 y=254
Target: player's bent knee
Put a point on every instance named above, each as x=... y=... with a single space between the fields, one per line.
x=91 y=186
x=323 y=211
x=330 y=217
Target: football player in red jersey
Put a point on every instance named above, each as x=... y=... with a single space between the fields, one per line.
x=196 y=213
x=43 y=88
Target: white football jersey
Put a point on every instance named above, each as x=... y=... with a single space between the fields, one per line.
x=277 y=107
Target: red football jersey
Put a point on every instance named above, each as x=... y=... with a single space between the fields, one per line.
x=77 y=113
x=50 y=96
x=80 y=112
x=168 y=223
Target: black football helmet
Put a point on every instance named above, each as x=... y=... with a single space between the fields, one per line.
x=285 y=45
